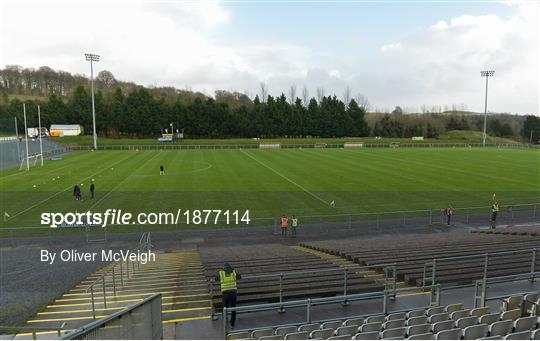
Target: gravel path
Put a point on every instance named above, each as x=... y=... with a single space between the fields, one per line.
x=26 y=284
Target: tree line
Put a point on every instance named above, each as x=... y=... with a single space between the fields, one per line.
x=127 y=109
x=139 y=114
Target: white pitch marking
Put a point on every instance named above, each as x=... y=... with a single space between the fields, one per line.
x=62 y=191
x=121 y=182
x=286 y=178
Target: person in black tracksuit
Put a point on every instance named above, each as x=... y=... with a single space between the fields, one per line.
x=92 y=189
x=77 y=192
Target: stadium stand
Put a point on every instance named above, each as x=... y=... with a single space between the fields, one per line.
x=443 y=323
x=316 y=269
x=410 y=254
x=251 y=261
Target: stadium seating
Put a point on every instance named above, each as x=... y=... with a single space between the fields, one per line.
x=526 y=335
x=425 y=336
x=400 y=325
x=411 y=252
x=265 y=259
x=524 y=231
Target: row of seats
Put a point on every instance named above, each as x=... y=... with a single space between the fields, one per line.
x=478 y=332
x=450 y=322
x=272 y=258
x=411 y=252
x=528 y=304
x=496 y=331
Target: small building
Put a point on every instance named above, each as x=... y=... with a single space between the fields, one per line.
x=65 y=129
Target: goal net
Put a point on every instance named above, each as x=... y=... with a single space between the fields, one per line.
x=353 y=145
x=270 y=145
x=30 y=160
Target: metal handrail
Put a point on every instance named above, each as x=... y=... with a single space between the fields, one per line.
x=485 y=255
x=35 y=330
x=144 y=244
x=476 y=255
x=308 y=303
x=110 y=269
x=305 y=272
x=481 y=297
x=344 y=270
x=96 y=324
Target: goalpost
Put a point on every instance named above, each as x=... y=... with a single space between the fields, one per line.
x=27 y=158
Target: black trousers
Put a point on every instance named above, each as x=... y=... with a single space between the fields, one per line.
x=229 y=301
x=493 y=219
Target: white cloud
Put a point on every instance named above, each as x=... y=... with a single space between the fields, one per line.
x=388 y=47
x=441 y=65
x=441 y=25
x=173 y=43
x=202 y=15
x=149 y=42
x=334 y=73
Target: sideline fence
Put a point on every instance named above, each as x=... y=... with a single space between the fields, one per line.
x=368 y=221
x=475 y=215
x=180 y=146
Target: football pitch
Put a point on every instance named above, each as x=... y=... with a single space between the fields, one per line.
x=269 y=183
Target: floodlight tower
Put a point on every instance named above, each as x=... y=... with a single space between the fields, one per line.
x=486 y=74
x=93 y=58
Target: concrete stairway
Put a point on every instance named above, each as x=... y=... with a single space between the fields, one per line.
x=177 y=276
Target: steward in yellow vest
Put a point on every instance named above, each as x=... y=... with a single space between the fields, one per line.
x=294 y=225
x=494 y=210
x=227 y=280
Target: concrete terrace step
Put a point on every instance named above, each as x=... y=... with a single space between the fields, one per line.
x=359 y=270
x=179 y=277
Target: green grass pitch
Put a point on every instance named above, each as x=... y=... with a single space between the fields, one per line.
x=273 y=182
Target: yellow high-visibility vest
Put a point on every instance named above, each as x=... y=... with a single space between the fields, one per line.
x=495 y=208
x=294 y=222
x=227 y=281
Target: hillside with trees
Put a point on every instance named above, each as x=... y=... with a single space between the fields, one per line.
x=125 y=109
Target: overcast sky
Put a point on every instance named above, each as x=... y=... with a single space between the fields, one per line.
x=395 y=53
